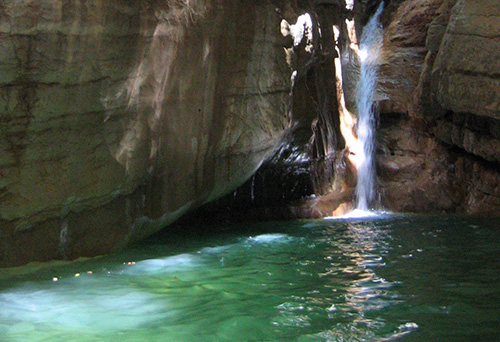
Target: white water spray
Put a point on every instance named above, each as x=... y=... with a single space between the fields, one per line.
x=370 y=46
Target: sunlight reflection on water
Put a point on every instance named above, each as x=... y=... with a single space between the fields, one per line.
x=321 y=280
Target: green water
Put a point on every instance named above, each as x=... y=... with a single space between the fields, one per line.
x=390 y=277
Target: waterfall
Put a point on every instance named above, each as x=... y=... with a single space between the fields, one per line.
x=370 y=46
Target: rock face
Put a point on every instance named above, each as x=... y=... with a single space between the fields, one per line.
x=404 y=51
x=118 y=116
x=441 y=152
x=466 y=79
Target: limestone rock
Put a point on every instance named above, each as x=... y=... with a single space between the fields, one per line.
x=404 y=52
x=448 y=159
x=466 y=68
x=414 y=171
x=466 y=83
x=118 y=116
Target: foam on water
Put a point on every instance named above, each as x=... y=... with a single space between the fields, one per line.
x=343 y=280
x=168 y=264
x=57 y=306
x=361 y=214
x=215 y=250
x=268 y=238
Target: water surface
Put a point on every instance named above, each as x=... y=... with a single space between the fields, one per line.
x=380 y=278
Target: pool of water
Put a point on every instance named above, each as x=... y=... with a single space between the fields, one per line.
x=379 y=278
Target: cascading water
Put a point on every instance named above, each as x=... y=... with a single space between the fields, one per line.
x=370 y=46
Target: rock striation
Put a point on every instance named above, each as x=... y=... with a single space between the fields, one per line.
x=439 y=140
x=118 y=116
x=466 y=79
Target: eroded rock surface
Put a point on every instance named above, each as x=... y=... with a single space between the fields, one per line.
x=118 y=116
x=441 y=152
x=404 y=51
x=466 y=79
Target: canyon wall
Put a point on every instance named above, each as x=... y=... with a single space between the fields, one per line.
x=116 y=117
x=439 y=126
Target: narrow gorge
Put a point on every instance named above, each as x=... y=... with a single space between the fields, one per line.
x=249 y=170
x=117 y=118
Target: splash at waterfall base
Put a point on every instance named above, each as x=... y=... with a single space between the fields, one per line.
x=416 y=172
x=118 y=119
x=355 y=69
x=429 y=156
x=331 y=172
x=353 y=185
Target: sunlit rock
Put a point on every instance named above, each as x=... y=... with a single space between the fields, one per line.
x=117 y=117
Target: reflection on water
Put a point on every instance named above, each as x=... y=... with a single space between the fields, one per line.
x=352 y=279
x=360 y=250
